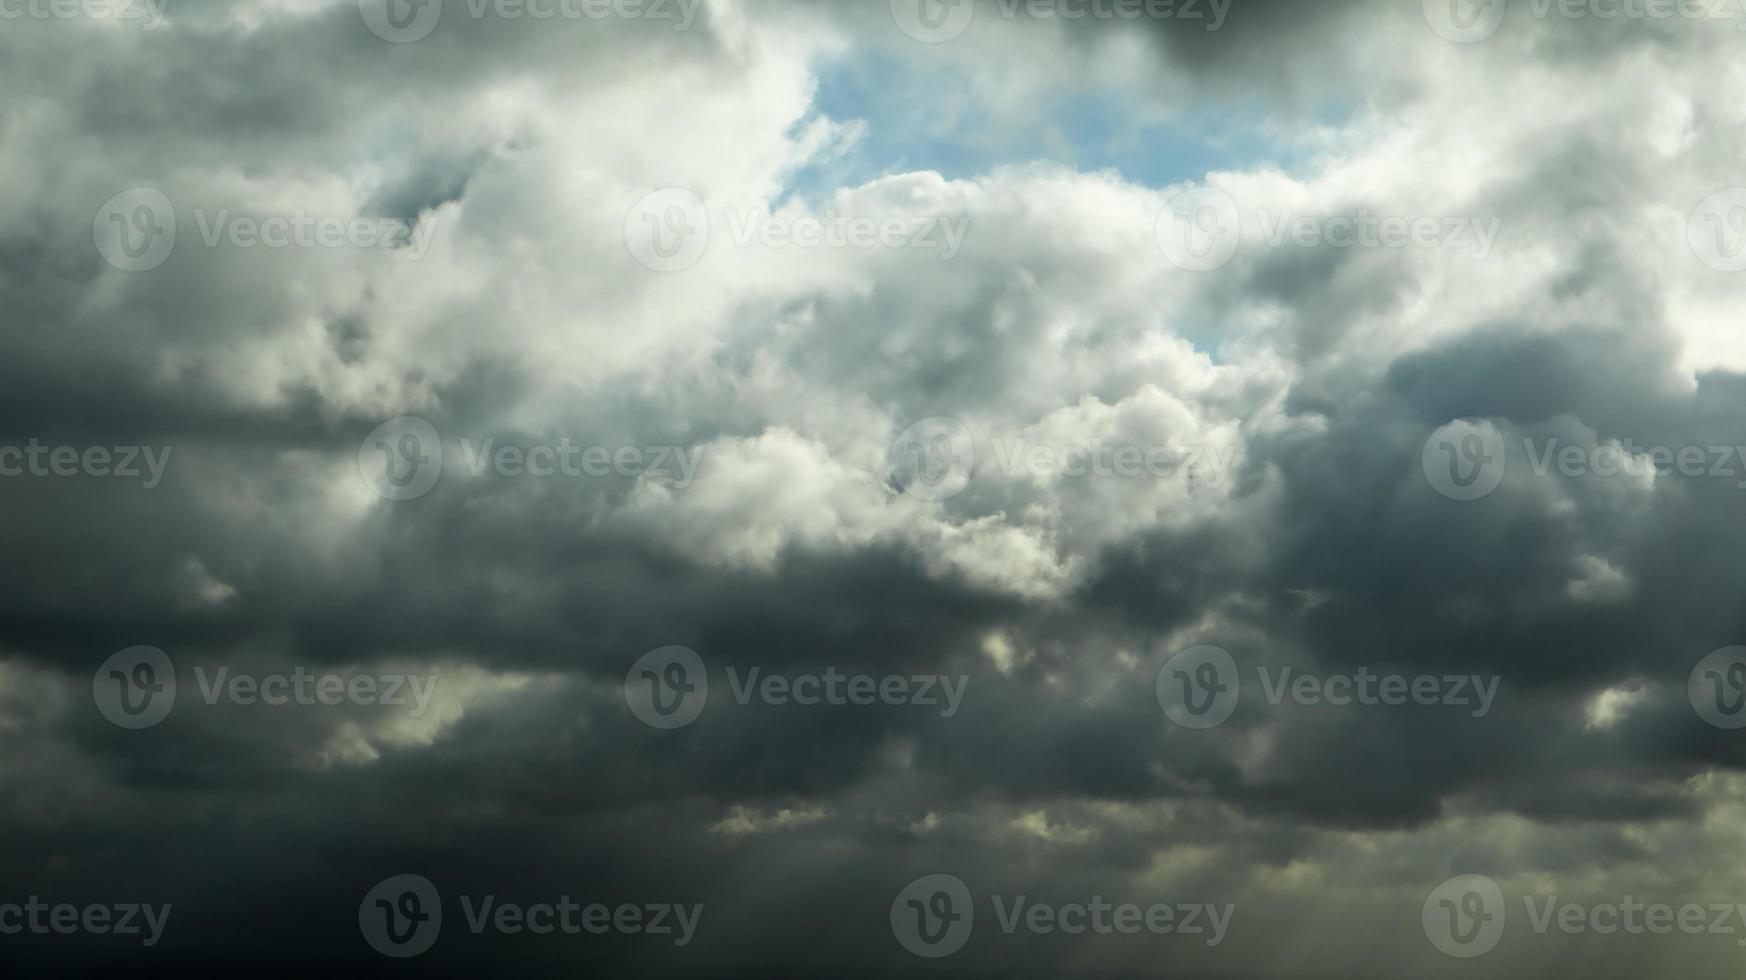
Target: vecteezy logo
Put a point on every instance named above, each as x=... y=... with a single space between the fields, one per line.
x=135 y=231
x=1198 y=688
x=402 y=459
x=401 y=21
x=1464 y=916
x=1717 y=230
x=932 y=459
x=667 y=688
x=668 y=231
x=1464 y=460
x=1717 y=688
x=135 y=688
x=1465 y=21
x=933 y=21
x=933 y=916
x=1199 y=230
x=402 y=916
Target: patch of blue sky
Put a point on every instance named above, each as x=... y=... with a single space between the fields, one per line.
x=921 y=119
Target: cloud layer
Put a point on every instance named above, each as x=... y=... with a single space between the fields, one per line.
x=1020 y=350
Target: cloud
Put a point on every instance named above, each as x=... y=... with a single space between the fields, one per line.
x=1155 y=458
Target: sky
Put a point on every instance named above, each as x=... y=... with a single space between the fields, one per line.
x=974 y=488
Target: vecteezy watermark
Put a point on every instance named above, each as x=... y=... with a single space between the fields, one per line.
x=401 y=21
x=136 y=688
x=669 y=230
x=934 y=916
x=405 y=21
x=936 y=459
x=39 y=918
x=402 y=917
x=1469 y=21
x=1465 y=917
x=137 y=231
x=1634 y=918
x=1630 y=460
x=147 y=13
x=34 y=459
x=403 y=458
x=668 y=688
x=567 y=459
x=938 y=21
x=1466 y=460
x=300 y=229
x=931 y=233
x=1476 y=691
x=1717 y=688
x=1199 y=688
x=1465 y=21
x=933 y=459
x=1716 y=230
x=306 y=688
x=1200 y=230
